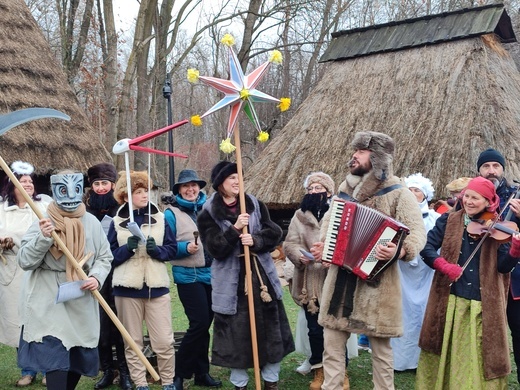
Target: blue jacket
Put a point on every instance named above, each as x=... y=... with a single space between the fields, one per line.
x=185 y=275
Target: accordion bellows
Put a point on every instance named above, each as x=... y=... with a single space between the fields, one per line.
x=353 y=234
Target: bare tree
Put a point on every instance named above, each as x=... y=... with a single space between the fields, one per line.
x=73 y=42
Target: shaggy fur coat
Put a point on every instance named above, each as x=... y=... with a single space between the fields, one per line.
x=350 y=304
x=307 y=281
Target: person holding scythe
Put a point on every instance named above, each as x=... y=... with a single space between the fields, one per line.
x=61 y=338
x=220 y=224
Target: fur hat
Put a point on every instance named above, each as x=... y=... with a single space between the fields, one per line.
x=382 y=148
x=490 y=155
x=102 y=171
x=458 y=185
x=139 y=179
x=220 y=171
x=417 y=180
x=320 y=178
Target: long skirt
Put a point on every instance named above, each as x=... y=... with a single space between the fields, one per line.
x=51 y=355
x=232 y=333
x=460 y=364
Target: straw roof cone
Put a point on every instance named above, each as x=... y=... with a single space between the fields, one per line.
x=31 y=77
x=443 y=104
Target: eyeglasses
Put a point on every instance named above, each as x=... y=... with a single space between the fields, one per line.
x=317 y=188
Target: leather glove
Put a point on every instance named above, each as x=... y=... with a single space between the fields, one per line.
x=132 y=243
x=452 y=271
x=515 y=246
x=151 y=246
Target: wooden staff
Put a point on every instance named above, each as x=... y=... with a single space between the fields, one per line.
x=249 y=280
x=81 y=273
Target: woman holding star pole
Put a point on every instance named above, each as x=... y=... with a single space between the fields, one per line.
x=229 y=232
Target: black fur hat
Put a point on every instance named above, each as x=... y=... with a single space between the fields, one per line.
x=220 y=171
x=102 y=171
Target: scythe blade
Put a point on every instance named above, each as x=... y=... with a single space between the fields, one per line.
x=15 y=118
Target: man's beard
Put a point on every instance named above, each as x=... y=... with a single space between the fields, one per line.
x=495 y=180
x=360 y=169
x=101 y=203
x=317 y=204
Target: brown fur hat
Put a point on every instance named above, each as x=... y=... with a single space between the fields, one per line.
x=382 y=147
x=139 y=179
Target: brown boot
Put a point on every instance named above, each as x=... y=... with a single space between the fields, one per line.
x=270 y=385
x=25 y=380
x=346 y=382
x=318 y=379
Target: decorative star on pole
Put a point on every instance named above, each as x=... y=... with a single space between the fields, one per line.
x=240 y=93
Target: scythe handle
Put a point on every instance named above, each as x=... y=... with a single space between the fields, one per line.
x=81 y=273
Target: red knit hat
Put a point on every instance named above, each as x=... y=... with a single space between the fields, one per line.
x=487 y=189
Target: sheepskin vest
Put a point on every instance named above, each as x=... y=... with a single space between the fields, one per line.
x=185 y=228
x=224 y=294
x=307 y=282
x=141 y=268
x=493 y=291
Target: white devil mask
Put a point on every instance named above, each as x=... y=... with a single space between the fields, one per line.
x=67 y=190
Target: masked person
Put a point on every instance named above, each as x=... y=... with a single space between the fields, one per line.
x=309 y=275
x=61 y=338
x=100 y=202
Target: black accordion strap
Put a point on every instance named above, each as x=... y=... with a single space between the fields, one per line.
x=347 y=197
x=386 y=190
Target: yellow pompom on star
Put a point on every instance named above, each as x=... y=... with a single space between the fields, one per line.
x=276 y=57
x=263 y=136
x=226 y=146
x=193 y=75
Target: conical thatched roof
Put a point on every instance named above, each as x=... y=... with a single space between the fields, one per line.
x=31 y=77
x=443 y=104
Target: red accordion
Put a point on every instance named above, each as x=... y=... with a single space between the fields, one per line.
x=353 y=234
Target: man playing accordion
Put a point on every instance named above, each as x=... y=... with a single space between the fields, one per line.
x=350 y=304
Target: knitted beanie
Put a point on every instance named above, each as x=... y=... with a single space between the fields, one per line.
x=491 y=155
x=382 y=147
x=139 y=179
x=102 y=171
x=221 y=171
x=417 y=180
x=320 y=178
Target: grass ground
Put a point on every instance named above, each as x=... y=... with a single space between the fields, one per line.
x=359 y=368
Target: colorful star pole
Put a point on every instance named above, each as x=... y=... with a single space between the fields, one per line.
x=240 y=93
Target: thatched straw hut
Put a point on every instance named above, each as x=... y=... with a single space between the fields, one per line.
x=442 y=86
x=31 y=77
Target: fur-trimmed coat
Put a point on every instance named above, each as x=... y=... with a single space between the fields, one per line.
x=307 y=282
x=350 y=304
x=493 y=264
